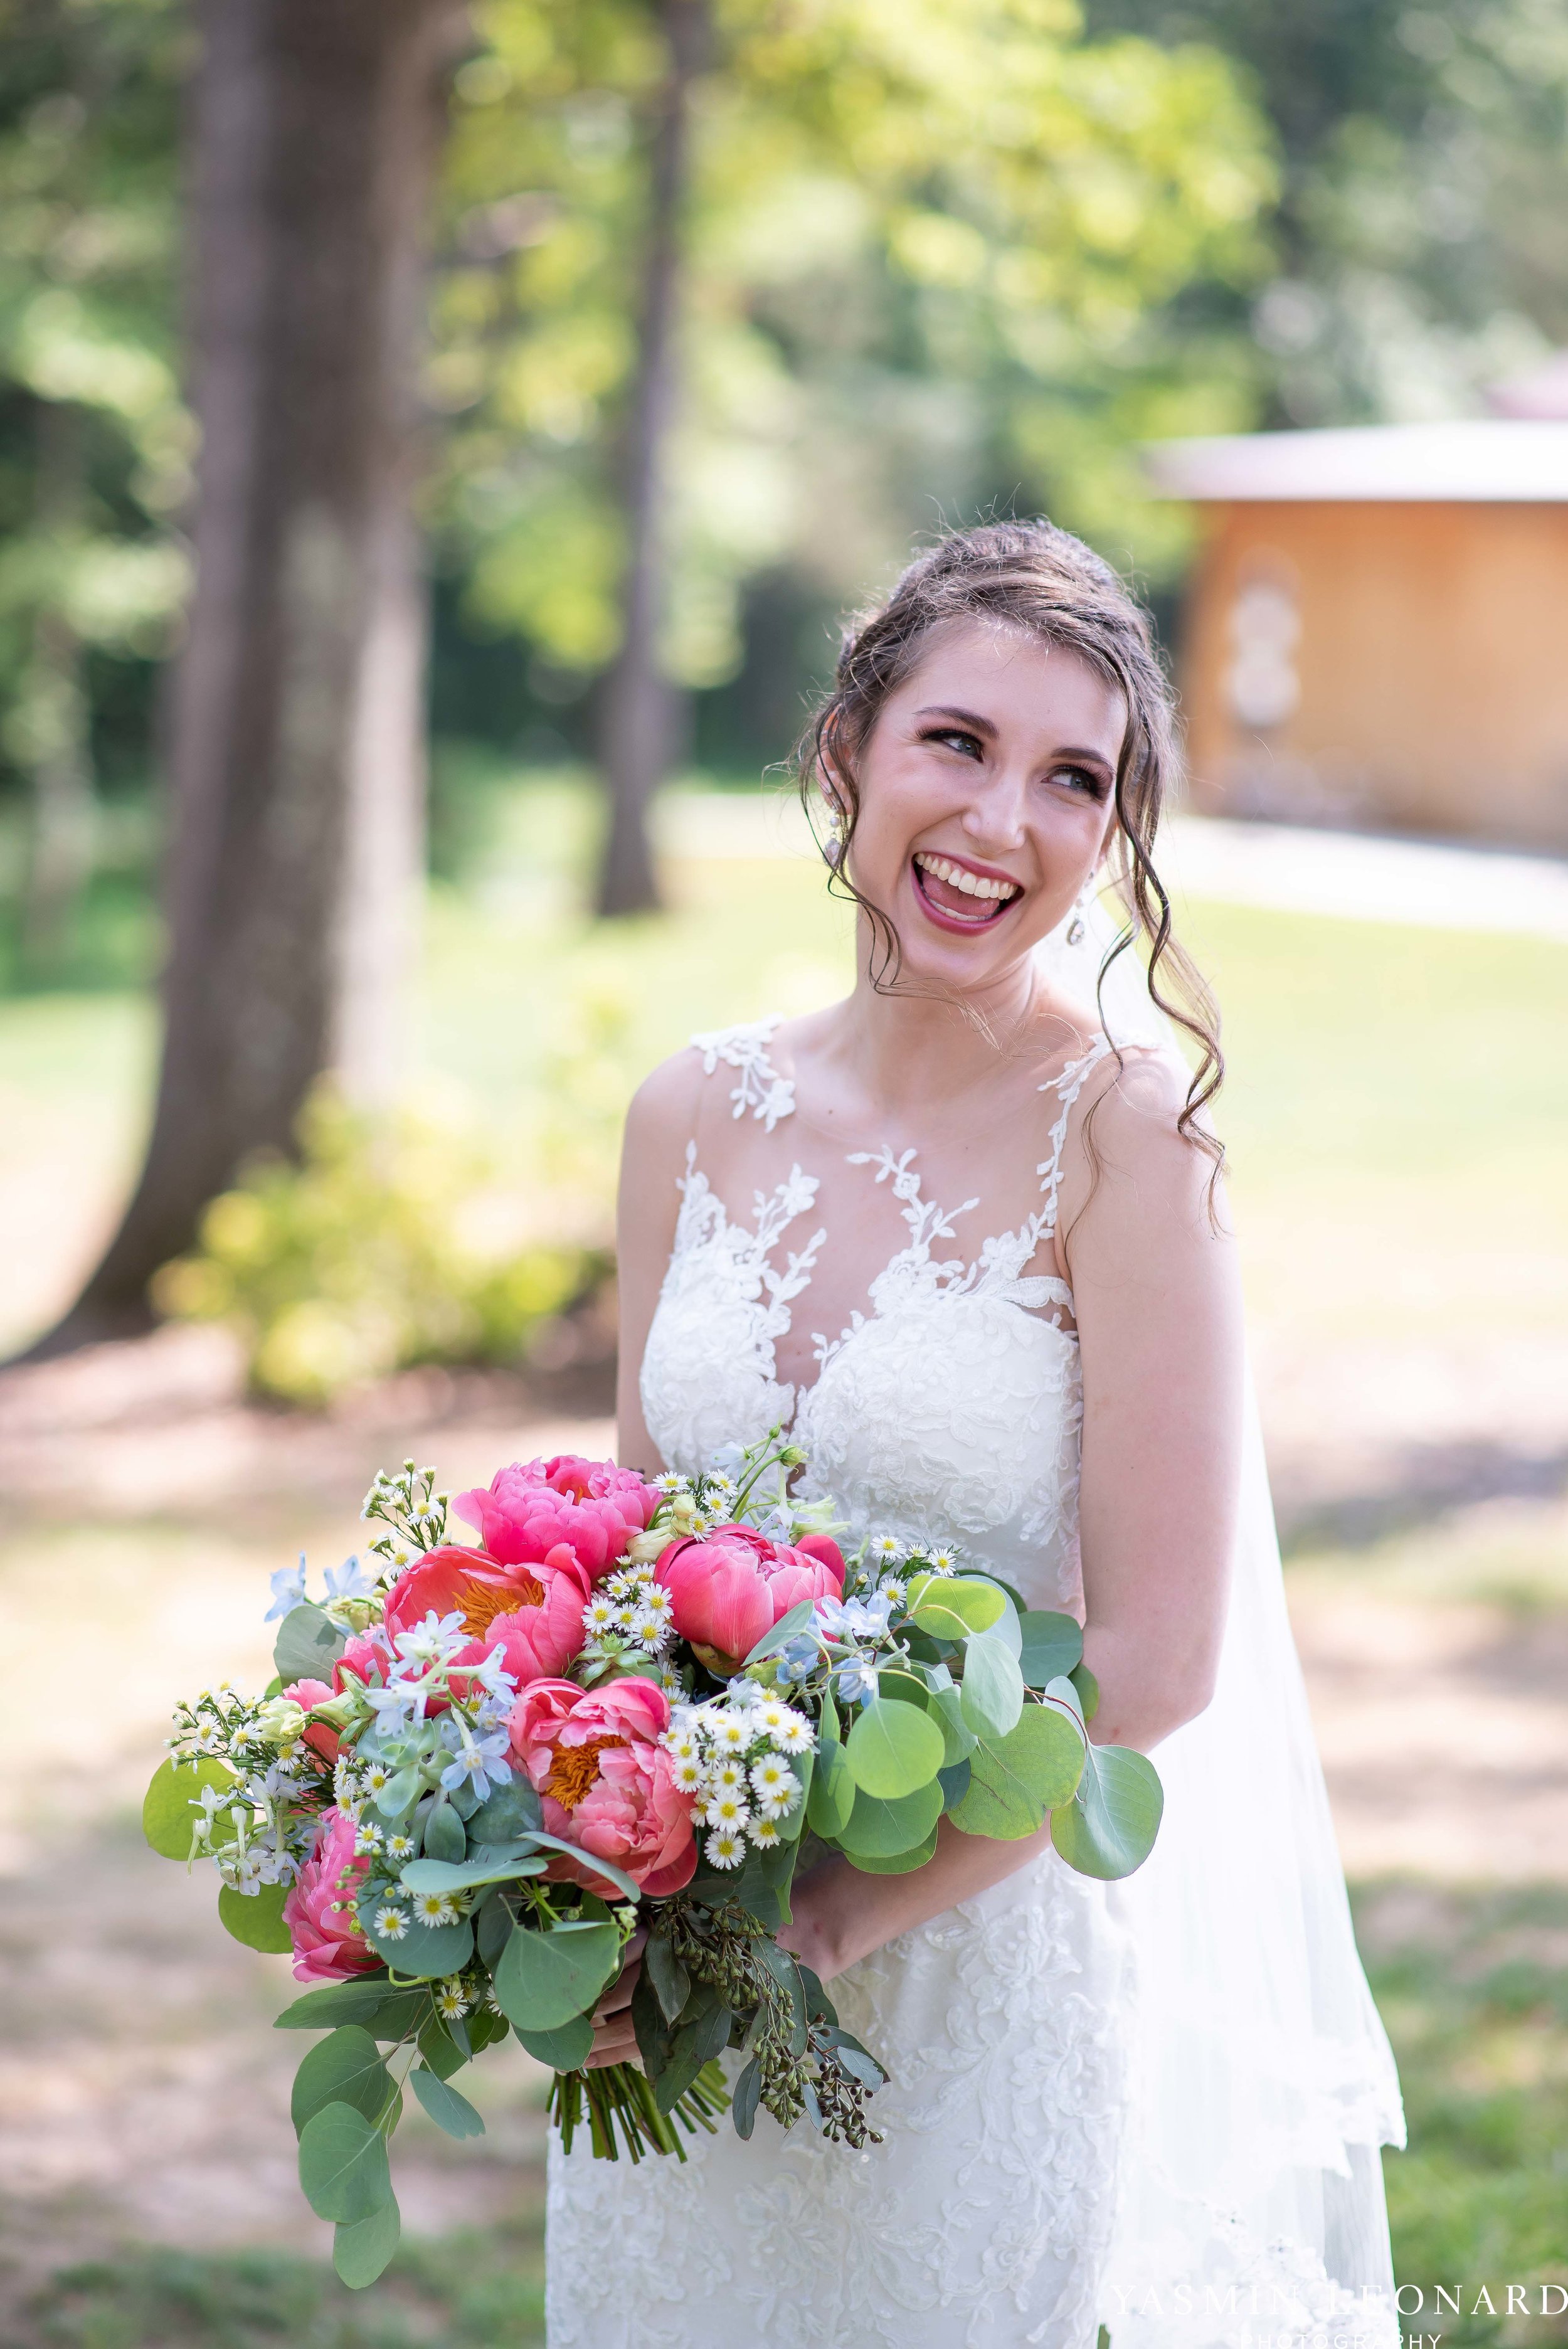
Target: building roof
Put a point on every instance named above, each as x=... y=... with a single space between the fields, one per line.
x=1492 y=461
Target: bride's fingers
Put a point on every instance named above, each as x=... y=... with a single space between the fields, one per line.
x=619 y=1993
x=614 y=2042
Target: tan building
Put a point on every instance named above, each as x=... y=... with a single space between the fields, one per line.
x=1377 y=626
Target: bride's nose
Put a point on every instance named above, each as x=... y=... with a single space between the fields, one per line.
x=994 y=817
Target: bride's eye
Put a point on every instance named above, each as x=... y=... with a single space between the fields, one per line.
x=1080 y=779
x=955 y=738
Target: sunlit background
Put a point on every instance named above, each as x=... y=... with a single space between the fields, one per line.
x=599 y=356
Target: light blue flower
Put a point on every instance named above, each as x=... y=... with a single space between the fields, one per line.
x=482 y=1760
x=349 y=1580
x=857 y=1683
x=288 y=1590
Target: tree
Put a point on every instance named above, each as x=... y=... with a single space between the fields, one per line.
x=294 y=725
x=928 y=257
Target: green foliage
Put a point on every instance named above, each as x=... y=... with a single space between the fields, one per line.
x=171 y=1805
x=358 y=1260
x=873 y=229
x=545 y=1980
x=256 y=1918
x=343 y=2165
x=344 y=2068
x=893 y=1750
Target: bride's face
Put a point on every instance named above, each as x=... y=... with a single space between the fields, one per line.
x=985 y=799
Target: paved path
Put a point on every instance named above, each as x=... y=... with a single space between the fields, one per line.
x=1436 y=884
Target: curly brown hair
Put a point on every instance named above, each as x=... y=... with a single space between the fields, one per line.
x=1029 y=575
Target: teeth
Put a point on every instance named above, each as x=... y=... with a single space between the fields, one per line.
x=957 y=876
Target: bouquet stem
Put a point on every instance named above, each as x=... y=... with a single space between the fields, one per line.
x=620 y=2095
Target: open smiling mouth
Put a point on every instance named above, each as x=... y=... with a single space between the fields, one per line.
x=958 y=898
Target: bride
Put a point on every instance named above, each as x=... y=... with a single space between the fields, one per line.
x=962 y=1230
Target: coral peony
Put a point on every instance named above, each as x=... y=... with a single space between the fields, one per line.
x=536 y=1509
x=606 y=1783
x=328 y=1946
x=729 y=1589
x=532 y=1613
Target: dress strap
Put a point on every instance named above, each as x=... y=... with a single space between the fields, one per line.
x=1066 y=1088
x=744 y=1048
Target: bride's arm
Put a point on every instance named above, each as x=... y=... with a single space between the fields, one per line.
x=1157 y=1301
x=659 y=1124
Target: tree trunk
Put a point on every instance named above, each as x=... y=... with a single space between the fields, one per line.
x=637 y=705
x=54 y=706
x=315 y=132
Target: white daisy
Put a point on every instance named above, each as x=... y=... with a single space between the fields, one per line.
x=726 y=1810
x=436 y=1909
x=775 y=1785
x=726 y=1777
x=794 y=1734
x=599 y=1615
x=391 y=1923
x=732 y=1734
x=886 y=1546
x=688 y=1775
x=942 y=1561
x=725 y=1848
x=764 y=1832
x=399 y=1846
x=450 y=2000
x=647 y=1627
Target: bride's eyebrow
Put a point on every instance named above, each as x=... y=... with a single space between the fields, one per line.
x=969 y=717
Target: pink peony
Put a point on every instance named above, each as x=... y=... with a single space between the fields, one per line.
x=532 y=1613
x=319 y=1735
x=328 y=1946
x=536 y=1510
x=606 y=1783
x=729 y=1589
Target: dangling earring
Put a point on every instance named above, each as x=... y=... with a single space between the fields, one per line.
x=1075 y=931
x=833 y=846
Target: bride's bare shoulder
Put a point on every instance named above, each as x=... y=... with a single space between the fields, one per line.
x=662 y=1114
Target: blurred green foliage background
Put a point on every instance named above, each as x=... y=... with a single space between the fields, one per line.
x=943 y=257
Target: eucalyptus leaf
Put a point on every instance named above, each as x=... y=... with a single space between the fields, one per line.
x=441 y=2050
x=743 y=2098
x=831 y=1796
x=401 y=1789
x=445 y=1838
x=449 y=2110
x=1008 y=1629
x=1053 y=1644
x=563 y=2050
x=343 y=2165
x=441 y=1876
x=670 y=1980
x=360 y=2253
x=896 y=1863
x=1088 y=1688
x=507 y=1813
x=172 y=1804
x=431 y=1952
x=879 y=1827
x=388 y=2012
x=799 y=1619
x=307 y=1646
x=546 y=1978
x=954 y=1782
x=614 y=1876
x=952 y=1605
x=343 y=2069
x=992 y=1694
x=1017 y=1779
x=958 y=1740
x=256 y=1917
x=1108 y=1827
x=892 y=1749
x=695 y=2045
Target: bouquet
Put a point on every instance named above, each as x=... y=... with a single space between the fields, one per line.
x=627 y=1708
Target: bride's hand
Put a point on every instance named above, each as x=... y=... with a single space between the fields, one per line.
x=615 y=2040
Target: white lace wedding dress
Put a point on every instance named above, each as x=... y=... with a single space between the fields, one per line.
x=1046 y=2167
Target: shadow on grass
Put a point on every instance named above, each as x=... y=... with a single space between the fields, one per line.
x=468 y=2292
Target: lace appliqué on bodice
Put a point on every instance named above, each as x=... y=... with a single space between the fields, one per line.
x=950 y=1410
